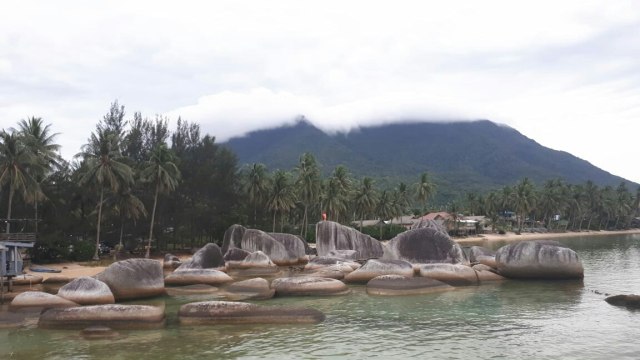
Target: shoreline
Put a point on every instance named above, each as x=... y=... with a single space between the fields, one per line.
x=512 y=237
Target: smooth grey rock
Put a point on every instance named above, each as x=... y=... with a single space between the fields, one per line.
x=320 y=262
x=334 y=236
x=233 y=237
x=425 y=245
x=87 y=291
x=294 y=244
x=343 y=254
x=480 y=255
x=426 y=223
x=171 y=261
x=256 y=240
x=225 y=312
x=37 y=300
x=235 y=255
x=374 y=268
x=308 y=286
x=115 y=316
x=630 y=301
x=207 y=257
x=452 y=274
x=402 y=285
x=252 y=289
x=538 y=260
x=197 y=276
x=134 y=278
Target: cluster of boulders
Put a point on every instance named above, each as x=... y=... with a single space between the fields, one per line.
x=253 y=265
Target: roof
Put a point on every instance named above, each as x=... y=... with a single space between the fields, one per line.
x=442 y=215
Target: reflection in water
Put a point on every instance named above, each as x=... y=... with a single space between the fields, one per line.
x=512 y=319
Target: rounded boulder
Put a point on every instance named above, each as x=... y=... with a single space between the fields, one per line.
x=115 y=316
x=393 y=285
x=197 y=276
x=226 y=312
x=87 y=291
x=308 y=286
x=374 y=268
x=452 y=274
x=134 y=278
x=538 y=260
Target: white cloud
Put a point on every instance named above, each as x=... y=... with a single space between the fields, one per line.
x=564 y=73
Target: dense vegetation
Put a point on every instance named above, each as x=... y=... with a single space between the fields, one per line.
x=139 y=186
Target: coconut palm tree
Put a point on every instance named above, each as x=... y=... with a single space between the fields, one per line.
x=384 y=208
x=105 y=169
x=17 y=168
x=126 y=206
x=424 y=190
x=162 y=172
x=308 y=185
x=282 y=197
x=365 y=199
x=523 y=199
x=337 y=192
x=257 y=187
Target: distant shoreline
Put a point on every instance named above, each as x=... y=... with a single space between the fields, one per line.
x=512 y=237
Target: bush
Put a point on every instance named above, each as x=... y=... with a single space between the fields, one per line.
x=82 y=251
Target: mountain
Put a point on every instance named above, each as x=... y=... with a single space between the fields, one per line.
x=461 y=156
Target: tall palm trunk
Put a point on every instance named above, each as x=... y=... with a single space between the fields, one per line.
x=96 y=255
x=153 y=217
x=274 y=221
x=9 y=210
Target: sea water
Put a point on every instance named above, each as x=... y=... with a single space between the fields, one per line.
x=508 y=320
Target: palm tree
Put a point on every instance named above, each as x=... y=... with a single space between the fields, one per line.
x=424 y=190
x=365 y=199
x=40 y=140
x=127 y=206
x=282 y=197
x=257 y=187
x=550 y=200
x=523 y=198
x=492 y=207
x=162 y=172
x=337 y=192
x=17 y=167
x=308 y=185
x=384 y=208
x=105 y=169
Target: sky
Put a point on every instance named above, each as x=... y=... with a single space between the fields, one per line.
x=564 y=73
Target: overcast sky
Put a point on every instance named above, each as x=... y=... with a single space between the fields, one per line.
x=565 y=73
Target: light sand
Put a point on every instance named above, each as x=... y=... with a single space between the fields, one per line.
x=512 y=237
x=70 y=270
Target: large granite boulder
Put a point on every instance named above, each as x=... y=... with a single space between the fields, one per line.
x=425 y=246
x=87 y=291
x=134 y=278
x=256 y=259
x=207 y=257
x=343 y=254
x=252 y=289
x=428 y=223
x=235 y=256
x=225 y=312
x=53 y=283
x=256 y=240
x=115 y=316
x=452 y=274
x=334 y=236
x=308 y=286
x=182 y=277
x=629 y=301
x=487 y=274
x=294 y=244
x=481 y=255
x=171 y=261
x=374 y=268
x=37 y=300
x=538 y=260
x=320 y=262
x=402 y=285
x=233 y=237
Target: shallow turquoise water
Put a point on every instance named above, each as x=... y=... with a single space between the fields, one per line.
x=512 y=320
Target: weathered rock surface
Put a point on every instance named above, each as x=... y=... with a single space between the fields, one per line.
x=374 y=268
x=225 y=312
x=343 y=254
x=207 y=257
x=114 y=316
x=37 y=300
x=425 y=246
x=294 y=244
x=427 y=223
x=87 y=291
x=334 y=236
x=452 y=274
x=307 y=285
x=402 y=285
x=235 y=256
x=487 y=274
x=629 y=301
x=197 y=276
x=171 y=261
x=256 y=240
x=480 y=255
x=233 y=237
x=256 y=259
x=53 y=283
x=320 y=262
x=254 y=289
x=538 y=260
x=134 y=278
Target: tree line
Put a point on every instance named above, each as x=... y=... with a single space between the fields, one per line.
x=138 y=185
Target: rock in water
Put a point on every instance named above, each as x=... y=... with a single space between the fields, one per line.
x=196 y=276
x=256 y=259
x=256 y=240
x=235 y=256
x=343 y=254
x=333 y=236
x=308 y=286
x=294 y=244
x=207 y=257
x=254 y=289
x=114 y=316
x=134 y=278
x=233 y=237
x=480 y=255
x=538 y=260
x=374 y=268
x=320 y=262
x=225 y=312
x=87 y=291
x=424 y=246
x=171 y=261
x=402 y=285
x=452 y=274
x=630 y=301
x=37 y=300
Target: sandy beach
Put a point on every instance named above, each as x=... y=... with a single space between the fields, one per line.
x=511 y=237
